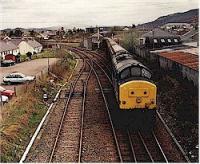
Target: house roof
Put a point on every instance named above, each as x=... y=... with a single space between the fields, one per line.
x=176 y=23
x=33 y=43
x=96 y=35
x=7 y=46
x=157 y=32
x=16 y=41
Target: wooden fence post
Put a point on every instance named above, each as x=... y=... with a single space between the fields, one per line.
x=15 y=90
x=35 y=84
x=1 y=100
x=26 y=87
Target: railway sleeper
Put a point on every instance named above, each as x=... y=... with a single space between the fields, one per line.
x=76 y=94
x=106 y=90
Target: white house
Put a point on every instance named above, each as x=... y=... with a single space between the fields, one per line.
x=176 y=25
x=31 y=46
x=8 y=48
x=125 y=29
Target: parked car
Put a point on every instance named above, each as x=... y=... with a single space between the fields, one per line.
x=6 y=63
x=17 y=78
x=3 y=99
x=6 y=92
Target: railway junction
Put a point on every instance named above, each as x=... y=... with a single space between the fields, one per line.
x=84 y=123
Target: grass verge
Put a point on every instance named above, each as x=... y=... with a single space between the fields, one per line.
x=20 y=117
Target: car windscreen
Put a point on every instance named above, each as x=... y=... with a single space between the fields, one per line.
x=10 y=76
x=20 y=75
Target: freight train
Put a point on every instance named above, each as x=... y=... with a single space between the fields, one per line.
x=132 y=81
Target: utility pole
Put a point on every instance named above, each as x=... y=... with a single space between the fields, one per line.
x=153 y=38
x=98 y=38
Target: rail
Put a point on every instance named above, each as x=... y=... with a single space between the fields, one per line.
x=109 y=115
x=82 y=117
x=30 y=144
x=72 y=87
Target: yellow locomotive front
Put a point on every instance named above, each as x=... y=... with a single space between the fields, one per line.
x=137 y=94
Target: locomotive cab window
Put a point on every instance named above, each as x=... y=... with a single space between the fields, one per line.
x=176 y=40
x=146 y=73
x=169 y=40
x=163 y=40
x=155 y=40
x=125 y=74
x=136 y=71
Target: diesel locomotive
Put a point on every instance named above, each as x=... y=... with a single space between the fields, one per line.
x=133 y=85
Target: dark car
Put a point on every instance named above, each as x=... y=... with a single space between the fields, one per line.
x=7 y=63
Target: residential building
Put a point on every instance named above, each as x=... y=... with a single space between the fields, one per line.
x=176 y=25
x=158 y=38
x=30 y=46
x=93 y=41
x=8 y=48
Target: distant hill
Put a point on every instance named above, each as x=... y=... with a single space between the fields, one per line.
x=191 y=16
x=35 y=29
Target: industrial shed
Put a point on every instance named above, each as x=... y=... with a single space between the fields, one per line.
x=185 y=63
x=182 y=59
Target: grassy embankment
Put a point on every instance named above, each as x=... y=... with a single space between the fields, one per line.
x=44 y=54
x=20 y=117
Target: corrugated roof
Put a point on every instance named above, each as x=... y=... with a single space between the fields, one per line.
x=186 y=59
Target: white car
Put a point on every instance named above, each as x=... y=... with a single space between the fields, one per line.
x=3 y=99
x=17 y=78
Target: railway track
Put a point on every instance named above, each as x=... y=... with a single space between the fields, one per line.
x=147 y=148
x=65 y=148
x=72 y=142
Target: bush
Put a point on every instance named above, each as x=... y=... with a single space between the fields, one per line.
x=23 y=58
x=130 y=41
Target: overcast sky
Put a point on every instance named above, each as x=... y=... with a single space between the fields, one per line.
x=82 y=13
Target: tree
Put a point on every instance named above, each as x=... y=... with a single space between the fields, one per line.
x=70 y=32
x=29 y=55
x=130 y=41
x=62 y=32
x=32 y=33
x=18 y=32
x=11 y=33
x=74 y=30
x=133 y=26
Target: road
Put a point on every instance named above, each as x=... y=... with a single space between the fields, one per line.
x=32 y=67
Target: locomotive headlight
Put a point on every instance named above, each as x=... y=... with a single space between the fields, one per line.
x=152 y=101
x=124 y=102
x=138 y=100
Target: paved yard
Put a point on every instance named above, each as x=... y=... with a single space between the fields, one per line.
x=32 y=67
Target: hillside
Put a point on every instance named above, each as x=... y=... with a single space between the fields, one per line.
x=190 y=16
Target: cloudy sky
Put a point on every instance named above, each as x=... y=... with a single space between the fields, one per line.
x=82 y=13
